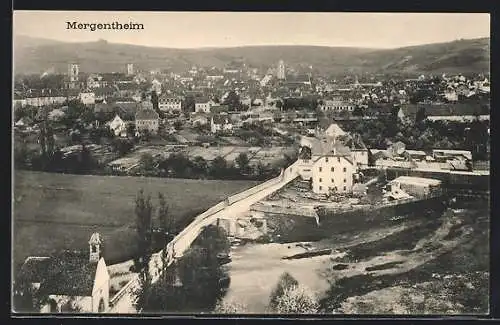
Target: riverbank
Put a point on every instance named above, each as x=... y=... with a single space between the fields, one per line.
x=403 y=257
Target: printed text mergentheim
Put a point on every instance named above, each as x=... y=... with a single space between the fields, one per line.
x=98 y=26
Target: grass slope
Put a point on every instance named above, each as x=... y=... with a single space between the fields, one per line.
x=57 y=211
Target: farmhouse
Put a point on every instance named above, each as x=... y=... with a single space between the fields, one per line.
x=70 y=281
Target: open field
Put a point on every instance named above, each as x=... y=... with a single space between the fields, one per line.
x=58 y=211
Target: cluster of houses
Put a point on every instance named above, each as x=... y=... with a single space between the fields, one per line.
x=332 y=160
x=259 y=95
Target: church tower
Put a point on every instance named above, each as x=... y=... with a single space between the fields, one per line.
x=281 y=70
x=95 y=245
x=130 y=69
x=73 y=72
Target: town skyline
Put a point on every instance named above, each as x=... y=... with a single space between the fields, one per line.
x=198 y=30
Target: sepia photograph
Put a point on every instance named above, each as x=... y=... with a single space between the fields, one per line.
x=250 y=163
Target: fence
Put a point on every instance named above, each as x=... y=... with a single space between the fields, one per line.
x=292 y=210
x=245 y=194
x=127 y=288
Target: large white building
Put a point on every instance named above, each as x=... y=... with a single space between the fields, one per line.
x=336 y=104
x=331 y=159
x=328 y=164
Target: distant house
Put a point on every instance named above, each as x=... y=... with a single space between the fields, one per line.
x=446 y=112
x=450 y=95
x=96 y=81
x=246 y=101
x=147 y=119
x=127 y=89
x=203 y=105
x=199 y=120
x=442 y=154
x=214 y=77
x=56 y=114
x=334 y=131
x=217 y=108
x=70 y=281
x=44 y=97
x=87 y=97
x=336 y=104
x=22 y=122
x=156 y=86
x=169 y=104
x=221 y=123
x=118 y=126
x=104 y=93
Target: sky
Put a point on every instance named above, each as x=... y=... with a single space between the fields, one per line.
x=229 y=29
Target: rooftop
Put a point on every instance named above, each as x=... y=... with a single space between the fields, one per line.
x=417 y=180
x=69 y=273
x=146 y=114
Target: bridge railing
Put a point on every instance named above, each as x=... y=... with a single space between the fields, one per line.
x=127 y=288
x=194 y=228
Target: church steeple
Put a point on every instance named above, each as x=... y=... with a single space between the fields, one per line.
x=95 y=244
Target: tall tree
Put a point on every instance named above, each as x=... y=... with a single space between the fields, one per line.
x=233 y=100
x=154 y=101
x=218 y=167
x=243 y=163
x=147 y=162
x=421 y=115
x=165 y=221
x=143 y=211
x=144 y=291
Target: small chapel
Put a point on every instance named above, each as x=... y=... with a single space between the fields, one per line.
x=70 y=281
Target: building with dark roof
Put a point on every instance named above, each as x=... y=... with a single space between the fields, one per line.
x=444 y=111
x=147 y=120
x=70 y=281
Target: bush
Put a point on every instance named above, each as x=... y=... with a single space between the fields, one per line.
x=286 y=281
x=231 y=307
x=296 y=300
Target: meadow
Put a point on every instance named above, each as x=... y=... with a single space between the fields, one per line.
x=52 y=212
